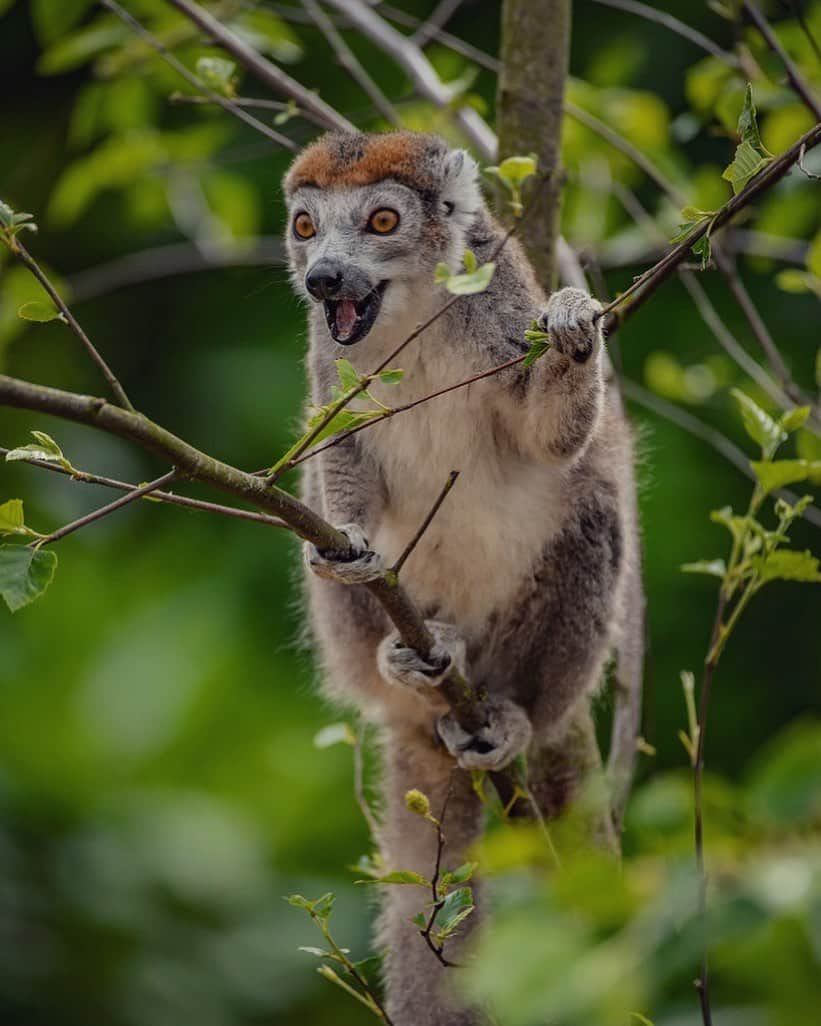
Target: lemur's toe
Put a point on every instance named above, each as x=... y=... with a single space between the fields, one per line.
x=403 y=666
x=364 y=566
x=570 y=320
x=496 y=745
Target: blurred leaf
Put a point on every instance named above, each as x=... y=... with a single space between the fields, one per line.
x=348 y=375
x=808 y=445
x=784 y=786
x=11 y=516
x=39 y=311
x=758 y=424
x=334 y=734
x=53 y=18
x=783 y=472
x=472 y=283
x=70 y=52
x=234 y=201
x=712 y=567
x=790 y=565
x=797 y=282
x=269 y=34
x=399 y=876
x=25 y=574
x=218 y=74
x=391 y=377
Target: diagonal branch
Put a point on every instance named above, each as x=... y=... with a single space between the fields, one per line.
x=104 y=511
x=170 y=498
x=196 y=81
x=26 y=258
x=268 y=73
x=799 y=84
x=349 y=61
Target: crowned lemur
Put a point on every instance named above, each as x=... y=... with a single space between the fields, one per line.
x=529 y=572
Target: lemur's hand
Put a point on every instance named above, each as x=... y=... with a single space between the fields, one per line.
x=404 y=667
x=497 y=744
x=364 y=566
x=569 y=320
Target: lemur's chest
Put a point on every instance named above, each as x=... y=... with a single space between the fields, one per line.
x=494 y=524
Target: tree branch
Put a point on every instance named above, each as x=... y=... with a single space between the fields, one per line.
x=349 y=61
x=268 y=73
x=159 y=496
x=104 y=511
x=451 y=481
x=195 y=80
x=534 y=54
x=20 y=251
x=644 y=286
x=799 y=84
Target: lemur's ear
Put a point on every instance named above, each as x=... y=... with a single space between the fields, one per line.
x=460 y=186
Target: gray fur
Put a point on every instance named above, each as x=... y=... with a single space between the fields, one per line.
x=533 y=560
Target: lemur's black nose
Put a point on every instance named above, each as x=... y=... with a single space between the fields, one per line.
x=324 y=279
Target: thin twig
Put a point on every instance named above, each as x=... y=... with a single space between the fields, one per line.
x=240 y=101
x=674 y=25
x=438 y=903
x=800 y=86
x=104 y=511
x=195 y=80
x=436 y=20
x=169 y=498
x=317 y=109
x=451 y=481
x=416 y=65
x=349 y=61
x=647 y=284
x=26 y=258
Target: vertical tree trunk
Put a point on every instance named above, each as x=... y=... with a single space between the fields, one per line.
x=534 y=56
x=529 y=106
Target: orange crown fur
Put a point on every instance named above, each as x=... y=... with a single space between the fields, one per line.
x=352 y=159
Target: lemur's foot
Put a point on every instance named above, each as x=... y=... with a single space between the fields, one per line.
x=494 y=746
x=362 y=567
x=570 y=321
x=404 y=667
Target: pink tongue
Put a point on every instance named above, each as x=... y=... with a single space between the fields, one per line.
x=345 y=317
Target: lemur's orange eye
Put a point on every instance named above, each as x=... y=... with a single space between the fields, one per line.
x=304 y=226
x=384 y=221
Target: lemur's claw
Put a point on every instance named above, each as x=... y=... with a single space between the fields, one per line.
x=494 y=746
x=404 y=667
x=570 y=321
x=363 y=567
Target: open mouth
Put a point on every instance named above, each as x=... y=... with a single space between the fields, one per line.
x=350 y=320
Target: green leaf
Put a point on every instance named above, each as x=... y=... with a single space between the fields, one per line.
x=391 y=377
x=218 y=74
x=12 y=520
x=400 y=876
x=284 y=116
x=319 y=952
x=419 y=920
x=537 y=349
x=442 y=273
x=25 y=574
x=321 y=907
x=795 y=418
x=748 y=123
x=53 y=18
x=797 y=282
x=784 y=472
x=790 y=565
x=808 y=445
x=758 y=424
x=456 y=907
x=703 y=247
x=72 y=51
x=745 y=166
x=41 y=312
x=348 y=376
x=735 y=524
x=513 y=171
x=469 y=260
x=460 y=875
x=712 y=567
x=45 y=448
x=334 y=734
x=473 y=282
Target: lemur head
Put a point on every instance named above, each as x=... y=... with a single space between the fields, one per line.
x=370 y=216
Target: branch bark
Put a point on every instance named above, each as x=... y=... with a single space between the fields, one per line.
x=534 y=51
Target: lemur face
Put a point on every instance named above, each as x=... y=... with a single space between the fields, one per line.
x=369 y=218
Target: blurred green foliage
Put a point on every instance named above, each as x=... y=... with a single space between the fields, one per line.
x=159 y=790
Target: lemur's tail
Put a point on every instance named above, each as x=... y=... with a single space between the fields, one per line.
x=627 y=684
